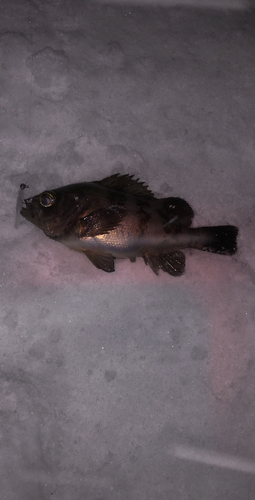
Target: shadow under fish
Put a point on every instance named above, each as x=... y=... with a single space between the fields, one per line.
x=119 y=217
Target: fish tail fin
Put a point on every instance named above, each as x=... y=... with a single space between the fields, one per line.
x=217 y=239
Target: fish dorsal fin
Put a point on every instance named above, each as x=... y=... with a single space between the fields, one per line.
x=127 y=184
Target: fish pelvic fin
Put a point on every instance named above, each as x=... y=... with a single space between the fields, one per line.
x=217 y=239
x=101 y=261
x=177 y=212
x=172 y=262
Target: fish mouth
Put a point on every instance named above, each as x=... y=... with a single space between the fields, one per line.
x=24 y=212
x=33 y=214
x=29 y=211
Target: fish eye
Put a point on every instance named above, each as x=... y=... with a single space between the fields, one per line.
x=47 y=199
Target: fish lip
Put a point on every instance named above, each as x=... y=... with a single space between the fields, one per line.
x=29 y=211
x=24 y=211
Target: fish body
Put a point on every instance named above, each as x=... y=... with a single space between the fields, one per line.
x=119 y=217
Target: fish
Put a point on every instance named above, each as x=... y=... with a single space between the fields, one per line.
x=119 y=217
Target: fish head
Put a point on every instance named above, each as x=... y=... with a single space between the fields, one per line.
x=54 y=211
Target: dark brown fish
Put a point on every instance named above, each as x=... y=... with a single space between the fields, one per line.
x=119 y=217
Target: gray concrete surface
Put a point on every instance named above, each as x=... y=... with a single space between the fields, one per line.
x=127 y=386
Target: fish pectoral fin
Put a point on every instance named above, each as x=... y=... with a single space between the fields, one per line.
x=101 y=261
x=172 y=263
x=100 y=221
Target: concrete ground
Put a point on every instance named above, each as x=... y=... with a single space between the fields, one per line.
x=127 y=386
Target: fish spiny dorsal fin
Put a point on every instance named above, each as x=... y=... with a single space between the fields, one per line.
x=127 y=184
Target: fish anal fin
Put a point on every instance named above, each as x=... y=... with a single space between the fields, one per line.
x=178 y=212
x=172 y=262
x=101 y=261
x=100 y=222
x=127 y=184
